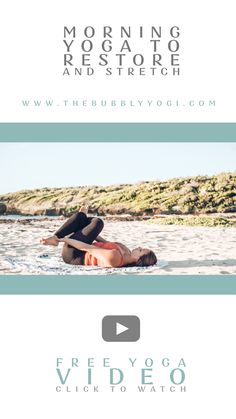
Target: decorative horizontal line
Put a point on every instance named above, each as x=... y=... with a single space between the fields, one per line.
x=117 y=132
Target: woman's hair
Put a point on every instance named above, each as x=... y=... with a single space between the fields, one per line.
x=145 y=260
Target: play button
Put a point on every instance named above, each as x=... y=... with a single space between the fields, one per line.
x=120 y=328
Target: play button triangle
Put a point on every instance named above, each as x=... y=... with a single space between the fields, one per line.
x=120 y=328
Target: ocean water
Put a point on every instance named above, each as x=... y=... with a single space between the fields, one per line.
x=26 y=217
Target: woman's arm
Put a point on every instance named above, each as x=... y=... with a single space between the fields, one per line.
x=109 y=258
x=77 y=244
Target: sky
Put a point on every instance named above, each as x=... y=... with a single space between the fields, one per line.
x=38 y=165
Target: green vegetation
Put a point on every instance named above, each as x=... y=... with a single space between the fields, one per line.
x=179 y=196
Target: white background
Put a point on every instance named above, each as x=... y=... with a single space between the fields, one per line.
x=31 y=35
x=37 y=329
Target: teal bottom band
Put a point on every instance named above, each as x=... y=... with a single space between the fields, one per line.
x=128 y=284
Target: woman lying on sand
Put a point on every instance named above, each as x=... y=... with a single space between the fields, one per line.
x=78 y=234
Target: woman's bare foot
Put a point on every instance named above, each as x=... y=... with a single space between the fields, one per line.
x=50 y=241
x=84 y=209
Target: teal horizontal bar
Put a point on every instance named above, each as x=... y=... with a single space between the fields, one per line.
x=118 y=285
x=117 y=132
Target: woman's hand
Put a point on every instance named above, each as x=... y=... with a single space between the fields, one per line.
x=65 y=239
x=62 y=240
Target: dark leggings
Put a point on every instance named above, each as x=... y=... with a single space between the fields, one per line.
x=85 y=229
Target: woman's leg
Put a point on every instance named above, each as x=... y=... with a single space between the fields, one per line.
x=89 y=232
x=75 y=223
x=87 y=235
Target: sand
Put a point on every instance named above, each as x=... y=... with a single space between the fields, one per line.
x=180 y=250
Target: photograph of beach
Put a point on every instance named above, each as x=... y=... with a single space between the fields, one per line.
x=111 y=208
